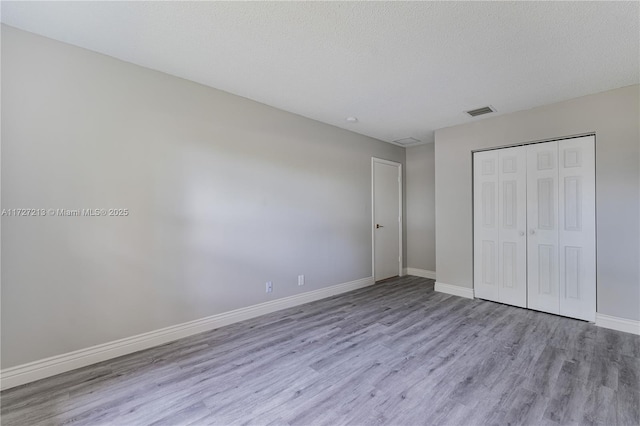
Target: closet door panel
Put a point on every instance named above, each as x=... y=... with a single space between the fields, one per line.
x=512 y=218
x=485 y=225
x=577 y=238
x=542 y=223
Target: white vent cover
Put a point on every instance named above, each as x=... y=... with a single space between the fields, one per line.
x=407 y=142
x=481 y=111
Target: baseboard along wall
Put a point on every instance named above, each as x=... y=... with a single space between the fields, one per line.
x=454 y=290
x=30 y=372
x=26 y=373
x=619 y=324
x=424 y=273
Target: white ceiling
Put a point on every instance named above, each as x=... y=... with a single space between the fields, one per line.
x=403 y=69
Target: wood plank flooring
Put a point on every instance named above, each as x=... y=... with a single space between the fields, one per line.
x=396 y=353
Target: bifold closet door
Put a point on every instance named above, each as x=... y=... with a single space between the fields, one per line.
x=542 y=219
x=500 y=268
x=485 y=221
x=577 y=228
x=561 y=245
x=534 y=226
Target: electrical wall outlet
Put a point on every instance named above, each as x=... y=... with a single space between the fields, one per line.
x=269 y=287
x=300 y=279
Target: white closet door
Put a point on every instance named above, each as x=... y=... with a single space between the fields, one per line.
x=542 y=221
x=485 y=225
x=512 y=225
x=577 y=237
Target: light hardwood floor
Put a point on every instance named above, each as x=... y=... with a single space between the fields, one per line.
x=396 y=353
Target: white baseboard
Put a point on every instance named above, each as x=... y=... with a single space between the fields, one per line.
x=420 y=273
x=619 y=324
x=454 y=290
x=25 y=373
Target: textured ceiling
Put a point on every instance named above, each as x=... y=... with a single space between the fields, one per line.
x=403 y=69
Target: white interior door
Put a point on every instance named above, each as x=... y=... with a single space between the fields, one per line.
x=387 y=218
x=485 y=225
x=577 y=236
x=500 y=262
x=542 y=220
x=512 y=226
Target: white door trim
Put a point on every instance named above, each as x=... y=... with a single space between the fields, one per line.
x=375 y=160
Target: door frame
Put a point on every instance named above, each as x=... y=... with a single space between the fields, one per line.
x=375 y=160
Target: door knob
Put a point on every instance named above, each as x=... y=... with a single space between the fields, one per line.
x=532 y=232
x=522 y=233
x=379 y=226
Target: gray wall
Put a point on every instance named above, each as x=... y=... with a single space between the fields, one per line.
x=421 y=209
x=614 y=117
x=224 y=194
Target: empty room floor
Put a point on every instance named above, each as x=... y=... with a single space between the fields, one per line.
x=396 y=353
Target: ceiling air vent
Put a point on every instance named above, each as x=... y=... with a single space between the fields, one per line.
x=407 y=142
x=481 y=111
